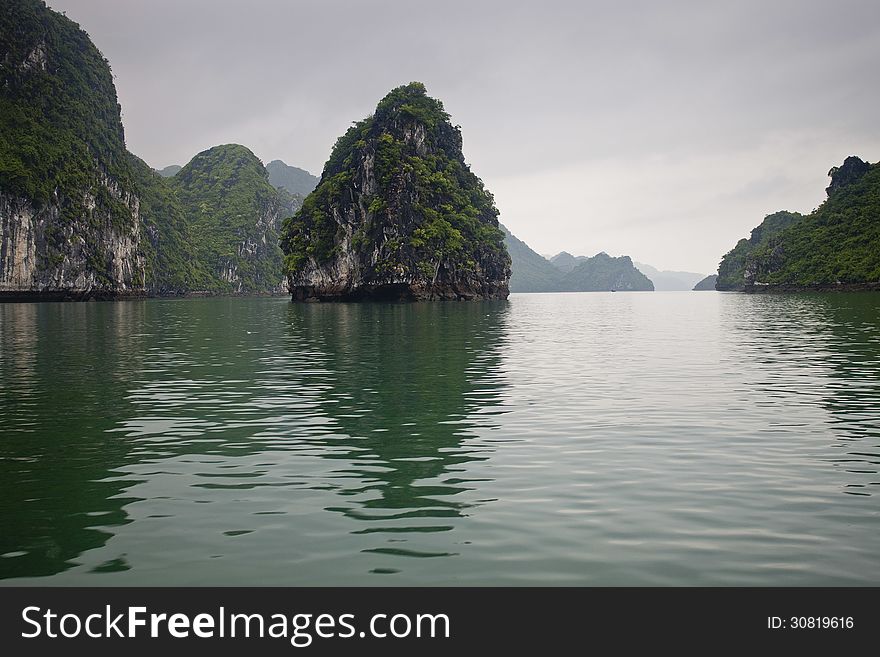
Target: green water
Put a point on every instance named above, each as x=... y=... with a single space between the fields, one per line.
x=613 y=439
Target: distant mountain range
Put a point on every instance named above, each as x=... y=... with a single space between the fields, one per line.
x=564 y=261
x=281 y=176
x=529 y=271
x=532 y=272
x=670 y=280
x=170 y=171
x=707 y=283
x=294 y=180
x=602 y=273
x=564 y=272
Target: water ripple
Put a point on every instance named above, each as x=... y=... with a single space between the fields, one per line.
x=657 y=439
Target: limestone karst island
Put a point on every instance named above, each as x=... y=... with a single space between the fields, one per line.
x=384 y=293
x=398 y=214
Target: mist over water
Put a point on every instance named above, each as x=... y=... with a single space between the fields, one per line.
x=614 y=439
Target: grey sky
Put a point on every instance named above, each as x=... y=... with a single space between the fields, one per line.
x=664 y=131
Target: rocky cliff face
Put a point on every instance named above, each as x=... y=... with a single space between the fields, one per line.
x=398 y=214
x=850 y=172
x=41 y=252
x=69 y=220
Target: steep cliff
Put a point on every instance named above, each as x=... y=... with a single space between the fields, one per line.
x=69 y=219
x=233 y=215
x=835 y=247
x=397 y=214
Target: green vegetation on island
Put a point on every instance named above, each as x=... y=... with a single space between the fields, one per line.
x=398 y=213
x=212 y=228
x=837 y=246
x=59 y=118
x=171 y=266
x=762 y=243
x=233 y=215
x=65 y=182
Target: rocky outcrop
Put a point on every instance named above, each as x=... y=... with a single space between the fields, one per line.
x=44 y=254
x=743 y=265
x=69 y=218
x=170 y=263
x=848 y=173
x=398 y=214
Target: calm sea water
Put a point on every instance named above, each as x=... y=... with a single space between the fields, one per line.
x=597 y=439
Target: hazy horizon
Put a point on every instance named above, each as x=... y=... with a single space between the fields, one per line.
x=665 y=133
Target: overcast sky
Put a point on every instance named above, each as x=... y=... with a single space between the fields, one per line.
x=665 y=131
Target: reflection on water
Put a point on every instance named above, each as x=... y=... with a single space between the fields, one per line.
x=821 y=350
x=658 y=439
x=853 y=398
x=398 y=384
x=59 y=396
